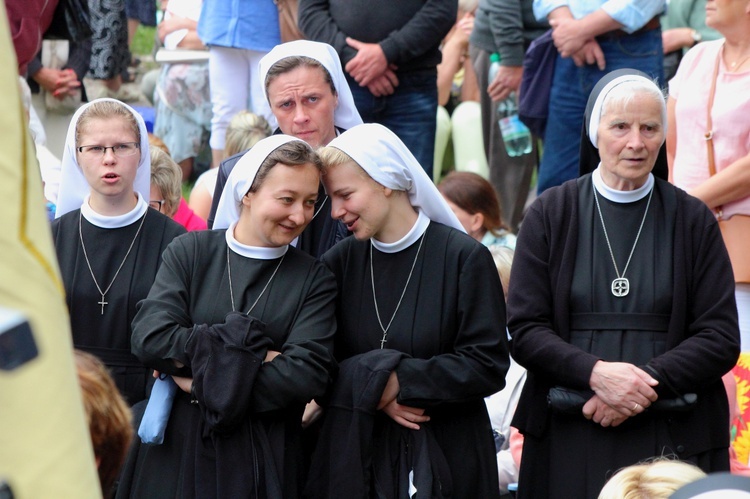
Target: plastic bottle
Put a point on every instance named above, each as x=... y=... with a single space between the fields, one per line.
x=516 y=135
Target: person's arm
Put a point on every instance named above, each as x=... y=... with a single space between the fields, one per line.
x=162 y=325
x=711 y=344
x=506 y=24
x=671 y=135
x=304 y=368
x=477 y=365
x=454 y=51
x=536 y=344
x=730 y=184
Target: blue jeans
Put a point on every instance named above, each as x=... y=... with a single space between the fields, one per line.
x=410 y=112
x=570 y=92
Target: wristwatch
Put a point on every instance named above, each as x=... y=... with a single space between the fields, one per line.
x=697 y=38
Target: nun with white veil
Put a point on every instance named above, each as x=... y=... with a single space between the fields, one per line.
x=108 y=241
x=234 y=428
x=413 y=284
x=311 y=100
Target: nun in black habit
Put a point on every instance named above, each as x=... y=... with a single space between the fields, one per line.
x=108 y=241
x=621 y=307
x=410 y=281
x=244 y=323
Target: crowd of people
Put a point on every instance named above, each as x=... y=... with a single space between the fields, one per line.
x=330 y=314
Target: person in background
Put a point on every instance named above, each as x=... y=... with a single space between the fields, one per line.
x=477 y=207
x=683 y=26
x=243 y=132
x=390 y=52
x=714 y=80
x=505 y=27
x=502 y=405
x=593 y=38
x=109 y=50
x=238 y=33
x=108 y=418
x=182 y=95
x=166 y=191
x=656 y=479
x=108 y=242
x=621 y=308
x=308 y=94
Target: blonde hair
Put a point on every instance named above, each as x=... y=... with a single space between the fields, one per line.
x=503 y=257
x=331 y=156
x=244 y=131
x=109 y=417
x=166 y=175
x=155 y=141
x=104 y=110
x=650 y=480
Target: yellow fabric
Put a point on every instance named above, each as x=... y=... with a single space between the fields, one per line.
x=45 y=448
x=741 y=424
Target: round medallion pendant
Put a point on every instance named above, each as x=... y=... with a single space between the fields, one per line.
x=620 y=287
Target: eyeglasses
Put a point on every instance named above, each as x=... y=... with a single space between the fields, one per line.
x=156 y=204
x=120 y=150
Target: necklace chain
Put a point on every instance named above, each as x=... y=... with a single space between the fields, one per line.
x=88 y=264
x=621 y=286
x=231 y=292
x=384 y=339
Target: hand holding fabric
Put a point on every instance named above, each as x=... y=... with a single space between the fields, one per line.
x=624 y=387
x=601 y=413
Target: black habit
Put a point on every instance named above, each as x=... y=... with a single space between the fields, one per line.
x=451 y=324
x=678 y=323
x=297 y=312
x=104 y=330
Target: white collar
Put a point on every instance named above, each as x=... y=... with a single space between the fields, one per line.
x=106 y=222
x=620 y=196
x=411 y=237
x=254 y=252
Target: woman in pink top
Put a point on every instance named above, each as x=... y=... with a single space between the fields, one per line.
x=727 y=62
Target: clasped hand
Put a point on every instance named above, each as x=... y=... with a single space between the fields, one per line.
x=406 y=416
x=621 y=390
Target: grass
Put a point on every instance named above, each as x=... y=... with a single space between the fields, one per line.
x=143 y=41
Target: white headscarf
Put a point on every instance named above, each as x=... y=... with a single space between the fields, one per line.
x=73 y=185
x=346 y=115
x=596 y=112
x=242 y=178
x=390 y=163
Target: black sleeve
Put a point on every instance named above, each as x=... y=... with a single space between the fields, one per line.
x=477 y=365
x=162 y=325
x=316 y=23
x=304 y=369
x=422 y=33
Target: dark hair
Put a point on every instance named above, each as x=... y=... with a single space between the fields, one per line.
x=473 y=194
x=294 y=153
x=293 y=62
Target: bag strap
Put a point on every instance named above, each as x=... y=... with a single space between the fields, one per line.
x=709 y=135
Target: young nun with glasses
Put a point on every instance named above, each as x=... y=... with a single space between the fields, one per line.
x=420 y=303
x=244 y=323
x=108 y=241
